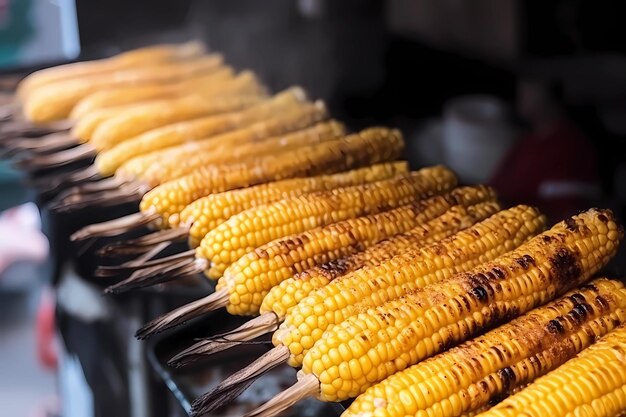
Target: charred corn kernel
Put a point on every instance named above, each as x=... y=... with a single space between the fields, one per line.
x=471 y=375
x=371 y=286
x=404 y=331
x=192 y=130
x=285 y=296
x=135 y=58
x=208 y=212
x=149 y=116
x=365 y=148
x=591 y=384
x=55 y=101
x=219 y=82
x=270 y=264
x=256 y=140
x=257 y=226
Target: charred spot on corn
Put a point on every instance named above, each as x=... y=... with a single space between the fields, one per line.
x=565 y=265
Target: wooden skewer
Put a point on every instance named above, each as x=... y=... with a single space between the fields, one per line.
x=53 y=182
x=263 y=324
x=132 y=266
x=43 y=145
x=58 y=159
x=144 y=243
x=127 y=193
x=307 y=386
x=115 y=227
x=183 y=314
x=233 y=386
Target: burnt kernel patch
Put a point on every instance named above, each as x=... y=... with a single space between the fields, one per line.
x=484 y=387
x=525 y=261
x=579 y=312
x=546 y=238
x=262 y=253
x=603 y=302
x=589 y=287
x=578 y=298
x=555 y=327
x=498 y=272
x=479 y=293
x=507 y=376
x=571 y=225
x=603 y=218
x=565 y=266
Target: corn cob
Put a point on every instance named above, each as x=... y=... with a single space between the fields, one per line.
x=469 y=376
x=134 y=58
x=305 y=212
x=153 y=170
x=249 y=279
x=55 y=101
x=285 y=296
x=281 y=299
x=466 y=249
x=591 y=384
x=367 y=147
x=253 y=141
x=240 y=234
x=159 y=204
x=221 y=81
x=152 y=115
x=202 y=128
x=376 y=343
x=208 y=212
x=85 y=126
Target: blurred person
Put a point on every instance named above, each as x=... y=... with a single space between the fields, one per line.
x=552 y=166
x=21 y=239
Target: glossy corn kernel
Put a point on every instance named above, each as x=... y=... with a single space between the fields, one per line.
x=285 y=296
x=368 y=147
x=257 y=226
x=484 y=369
x=404 y=331
x=372 y=286
x=208 y=212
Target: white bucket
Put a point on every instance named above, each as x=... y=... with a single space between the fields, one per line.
x=476 y=135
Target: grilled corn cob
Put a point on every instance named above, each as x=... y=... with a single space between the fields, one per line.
x=55 y=101
x=282 y=298
x=249 y=279
x=402 y=332
x=469 y=376
x=208 y=212
x=255 y=227
x=153 y=170
x=591 y=384
x=257 y=140
x=193 y=130
x=285 y=296
x=241 y=234
x=219 y=82
x=153 y=115
x=137 y=57
x=365 y=148
x=373 y=286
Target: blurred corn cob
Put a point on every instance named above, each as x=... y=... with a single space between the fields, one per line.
x=471 y=375
x=219 y=82
x=55 y=101
x=133 y=58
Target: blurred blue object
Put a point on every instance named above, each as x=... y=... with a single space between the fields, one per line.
x=37 y=32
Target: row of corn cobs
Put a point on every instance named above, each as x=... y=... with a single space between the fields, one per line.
x=394 y=287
